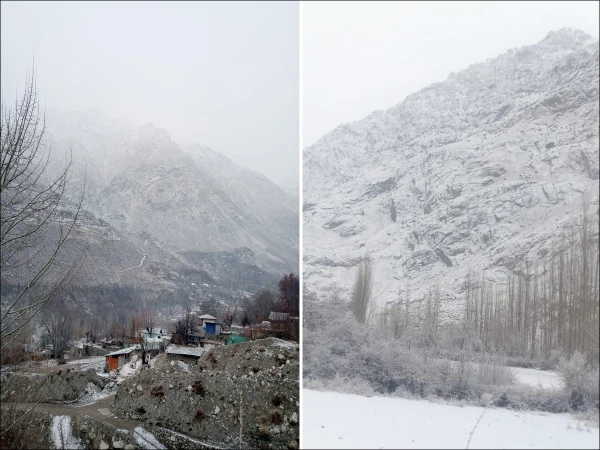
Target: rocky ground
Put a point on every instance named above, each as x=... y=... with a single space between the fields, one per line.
x=62 y=385
x=169 y=405
x=257 y=380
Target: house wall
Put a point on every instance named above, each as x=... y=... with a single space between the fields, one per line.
x=113 y=363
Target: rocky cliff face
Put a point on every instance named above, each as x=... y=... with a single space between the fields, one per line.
x=483 y=169
x=181 y=198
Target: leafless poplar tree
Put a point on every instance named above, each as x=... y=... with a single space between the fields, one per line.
x=31 y=200
x=361 y=294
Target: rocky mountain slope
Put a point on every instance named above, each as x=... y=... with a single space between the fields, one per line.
x=484 y=170
x=180 y=198
x=168 y=221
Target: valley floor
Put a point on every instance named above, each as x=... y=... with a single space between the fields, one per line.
x=332 y=420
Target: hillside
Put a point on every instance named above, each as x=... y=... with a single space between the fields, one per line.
x=180 y=197
x=484 y=169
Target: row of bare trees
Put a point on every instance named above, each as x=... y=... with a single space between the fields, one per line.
x=552 y=305
x=548 y=307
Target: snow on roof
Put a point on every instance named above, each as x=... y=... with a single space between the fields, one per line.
x=278 y=316
x=124 y=351
x=155 y=339
x=186 y=351
x=207 y=317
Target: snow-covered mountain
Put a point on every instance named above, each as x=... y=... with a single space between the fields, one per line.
x=483 y=169
x=182 y=198
x=291 y=185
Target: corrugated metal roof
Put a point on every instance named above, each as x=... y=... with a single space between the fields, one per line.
x=186 y=351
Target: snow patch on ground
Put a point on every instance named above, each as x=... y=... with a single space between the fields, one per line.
x=93 y=393
x=96 y=363
x=146 y=440
x=534 y=377
x=183 y=366
x=332 y=420
x=130 y=369
x=284 y=344
x=191 y=439
x=62 y=436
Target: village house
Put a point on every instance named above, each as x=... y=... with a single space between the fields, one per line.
x=215 y=328
x=119 y=358
x=283 y=326
x=206 y=318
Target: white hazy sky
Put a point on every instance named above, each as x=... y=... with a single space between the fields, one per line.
x=359 y=57
x=221 y=74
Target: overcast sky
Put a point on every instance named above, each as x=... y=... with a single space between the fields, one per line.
x=359 y=57
x=221 y=74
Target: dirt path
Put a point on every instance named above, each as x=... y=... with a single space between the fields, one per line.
x=134 y=267
x=99 y=410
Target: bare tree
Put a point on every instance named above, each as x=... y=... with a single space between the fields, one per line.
x=58 y=325
x=135 y=323
x=149 y=319
x=33 y=226
x=186 y=326
x=361 y=293
x=93 y=328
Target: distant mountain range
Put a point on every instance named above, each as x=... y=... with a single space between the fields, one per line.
x=159 y=215
x=484 y=169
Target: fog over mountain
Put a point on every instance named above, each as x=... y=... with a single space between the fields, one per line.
x=159 y=216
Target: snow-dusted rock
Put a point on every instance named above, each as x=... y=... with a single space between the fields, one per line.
x=484 y=170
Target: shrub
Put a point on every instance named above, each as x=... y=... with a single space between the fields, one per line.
x=521 y=397
x=276 y=416
x=277 y=400
x=157 y=391
x=199 y=414
x=581 y=382
x=198 y=388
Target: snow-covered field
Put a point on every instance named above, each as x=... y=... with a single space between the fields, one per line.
x=95 y=362
x=332 y=420
x=534 y=377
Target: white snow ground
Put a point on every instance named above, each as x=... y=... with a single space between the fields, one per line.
x=332 y=420
x=534 y=377
x=62 y=436
x=96 y=363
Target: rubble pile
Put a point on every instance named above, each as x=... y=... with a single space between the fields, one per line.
x=60 y=386
x=257 y=380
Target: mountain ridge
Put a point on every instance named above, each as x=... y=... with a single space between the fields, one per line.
x=469 y=163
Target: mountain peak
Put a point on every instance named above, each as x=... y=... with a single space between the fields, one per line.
x=566 y=38
x=456 y=158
